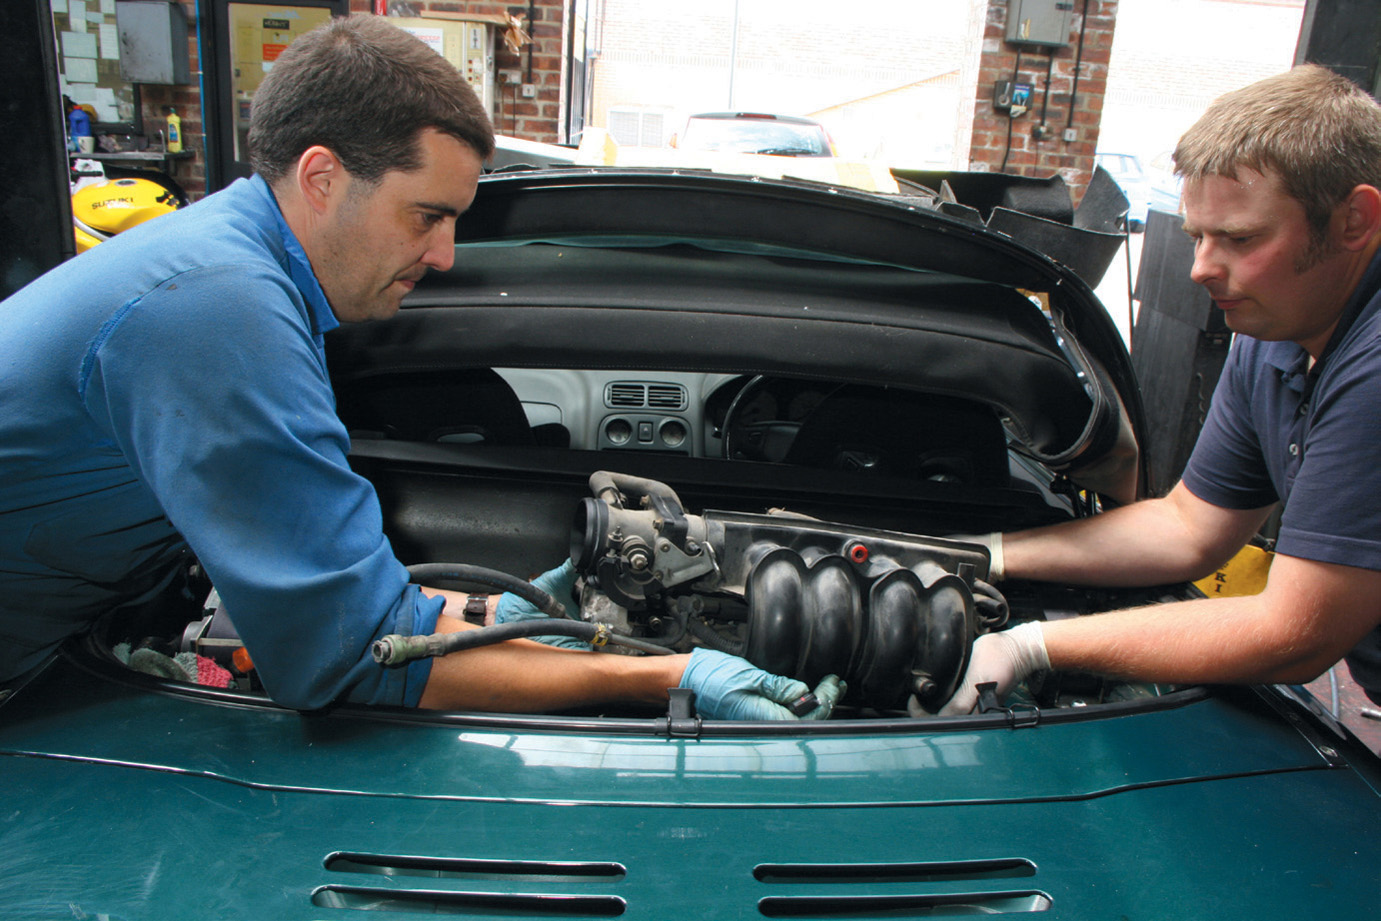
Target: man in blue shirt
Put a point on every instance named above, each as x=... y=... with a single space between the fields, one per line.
x=1282 y=196
x=166 y=396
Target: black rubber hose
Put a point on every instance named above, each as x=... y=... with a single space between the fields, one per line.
x=711 y=638
x=991 y=606
x=438 y=573
x=395 y=650
x=605 y=481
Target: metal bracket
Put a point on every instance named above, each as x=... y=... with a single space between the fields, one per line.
x=1024 y=716
x=682 y=720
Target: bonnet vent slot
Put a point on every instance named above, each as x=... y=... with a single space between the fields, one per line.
x=857 y=892
x=948 y=905
x=470 y=887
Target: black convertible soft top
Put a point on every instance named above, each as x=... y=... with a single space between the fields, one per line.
x=600 y=269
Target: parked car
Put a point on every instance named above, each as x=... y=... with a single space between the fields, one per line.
x=756 y=133
x=1144 y=191
x=760 y=415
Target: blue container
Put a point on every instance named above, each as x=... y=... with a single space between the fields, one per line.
x=78 y=125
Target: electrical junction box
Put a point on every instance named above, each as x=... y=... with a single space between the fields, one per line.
x=153 y=42
x=1008 y=95
x=1039 y=22
x=467 y=43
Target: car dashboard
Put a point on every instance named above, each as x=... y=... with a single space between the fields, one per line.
x=805 y=422
x=600 y=410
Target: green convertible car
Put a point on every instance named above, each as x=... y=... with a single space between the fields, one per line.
x=759 y=415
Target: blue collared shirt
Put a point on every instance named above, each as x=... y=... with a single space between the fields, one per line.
x=166 y=394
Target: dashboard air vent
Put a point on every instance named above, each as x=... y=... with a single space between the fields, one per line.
x=637 y=395
x=625 y=395
x=666 y=396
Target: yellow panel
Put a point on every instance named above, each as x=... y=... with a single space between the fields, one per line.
x=1244 y=574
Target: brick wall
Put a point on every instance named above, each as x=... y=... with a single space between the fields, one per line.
x=153 y=103
x=540 y=64
x=1034 y=144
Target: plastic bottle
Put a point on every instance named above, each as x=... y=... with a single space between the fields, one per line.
x=78 y=126
x=174 y=131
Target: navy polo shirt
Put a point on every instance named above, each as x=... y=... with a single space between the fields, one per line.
x=1279 y=431
x=166 y=394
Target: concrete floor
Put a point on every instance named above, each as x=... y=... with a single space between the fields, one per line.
x=1350 y=707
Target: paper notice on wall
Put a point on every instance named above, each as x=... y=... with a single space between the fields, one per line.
x=76 y=16
x=78 y=45
x=433 y=38
x=108 y=7
x=59 y=7
x=107 y=106
x=110 y=42
x=79 y=70
x=83 y=94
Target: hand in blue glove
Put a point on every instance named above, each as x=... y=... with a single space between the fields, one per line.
x=729 y=688
x=560 y=584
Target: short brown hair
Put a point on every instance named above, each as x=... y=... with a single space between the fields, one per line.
x=365 y=90
x=1317 y=131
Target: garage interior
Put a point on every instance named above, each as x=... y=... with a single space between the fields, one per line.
x=1031 y=80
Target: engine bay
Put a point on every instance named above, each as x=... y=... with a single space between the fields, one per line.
x=892 y=613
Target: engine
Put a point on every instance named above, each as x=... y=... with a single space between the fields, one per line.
x=893 y=614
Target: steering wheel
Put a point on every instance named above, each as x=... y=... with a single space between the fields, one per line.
x=754 y=428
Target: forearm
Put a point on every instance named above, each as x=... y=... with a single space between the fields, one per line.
x=1100 y=551
x=1173 y=539
x=1208 y=641
x=521 y=676
x=1307 y=618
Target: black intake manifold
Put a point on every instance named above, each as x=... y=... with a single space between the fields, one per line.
x=893 y=614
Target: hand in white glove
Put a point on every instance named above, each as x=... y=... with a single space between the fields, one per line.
x=997 y=566
x=729 y=688
x=1005 y=658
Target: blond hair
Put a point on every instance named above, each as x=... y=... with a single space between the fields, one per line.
x=1318 y=132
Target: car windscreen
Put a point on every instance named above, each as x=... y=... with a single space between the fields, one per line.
x=755 y=136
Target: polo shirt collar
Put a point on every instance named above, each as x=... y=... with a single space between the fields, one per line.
x=1293 y=361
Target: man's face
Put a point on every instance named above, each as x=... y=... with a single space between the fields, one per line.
x=1254 y=254
x=378 y=240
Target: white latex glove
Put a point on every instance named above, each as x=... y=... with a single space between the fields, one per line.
x=1005 y=658
x=996 y=567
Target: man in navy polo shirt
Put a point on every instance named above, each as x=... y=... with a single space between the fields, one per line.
x=1282 y=196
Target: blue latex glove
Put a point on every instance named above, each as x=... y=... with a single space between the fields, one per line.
x=729 y=688
x=560 y=584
